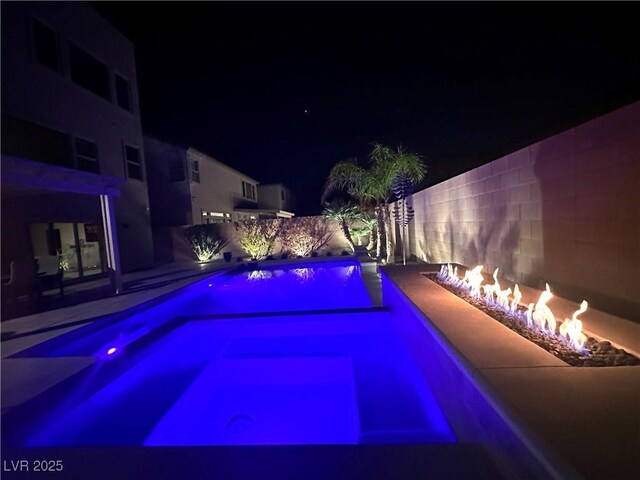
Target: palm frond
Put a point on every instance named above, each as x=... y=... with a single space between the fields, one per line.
x=344 y=176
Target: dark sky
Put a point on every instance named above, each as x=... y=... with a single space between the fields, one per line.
x=459 y=83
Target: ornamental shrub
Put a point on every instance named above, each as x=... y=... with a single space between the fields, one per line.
x=205 y=240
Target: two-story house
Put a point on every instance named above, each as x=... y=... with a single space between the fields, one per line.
x=189 y=187
x=275 y=196
x=73 y=174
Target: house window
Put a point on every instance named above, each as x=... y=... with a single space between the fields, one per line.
x=195 y=171
x=87 y=156
x=248 y=190
x=133 y=162
x=282 y=195
x=88 y=72
x=123 y=93
x=45 y=46
x=35 y=142
x=176 y=170
x=215 y=217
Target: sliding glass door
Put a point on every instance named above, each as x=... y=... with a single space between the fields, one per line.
x=78 y=246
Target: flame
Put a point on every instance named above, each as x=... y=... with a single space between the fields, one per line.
x=538 y=315
x=542 y=315
x=530 y=315
x=571 y=329
x=501 y=296
x=473 y=279
x=517 y=296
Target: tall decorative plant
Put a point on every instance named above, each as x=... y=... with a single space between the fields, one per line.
x=344 y=214
x=204 y=240
x=403 y=212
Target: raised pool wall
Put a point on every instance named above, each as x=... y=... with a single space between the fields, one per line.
x=565 y=210
x=470 y=407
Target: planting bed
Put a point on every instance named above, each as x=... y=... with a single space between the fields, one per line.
x=595 y=354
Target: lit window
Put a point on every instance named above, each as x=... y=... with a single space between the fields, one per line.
x=87 y=156
x=45 y=46
x=133 y=161
x=195 y=171
x=123 y=93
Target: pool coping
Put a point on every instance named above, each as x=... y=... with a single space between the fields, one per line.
x=517 y=386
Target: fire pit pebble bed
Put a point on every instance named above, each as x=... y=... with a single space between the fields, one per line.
x=595 y=353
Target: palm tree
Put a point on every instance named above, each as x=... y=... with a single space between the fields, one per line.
x=343 y=213
x=372 y=185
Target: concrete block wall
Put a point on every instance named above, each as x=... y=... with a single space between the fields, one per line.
x=565 y=210
x=170 y=245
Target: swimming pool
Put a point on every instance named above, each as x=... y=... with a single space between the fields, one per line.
x=278 y=356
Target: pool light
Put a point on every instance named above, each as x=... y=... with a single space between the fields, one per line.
x=111 y=351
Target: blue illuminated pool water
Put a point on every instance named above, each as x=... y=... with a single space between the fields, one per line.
x=335 y=285
x=297 y=377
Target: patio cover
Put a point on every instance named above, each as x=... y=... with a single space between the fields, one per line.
x=28 y=174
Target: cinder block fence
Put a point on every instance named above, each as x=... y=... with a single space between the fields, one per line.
x=565 y=210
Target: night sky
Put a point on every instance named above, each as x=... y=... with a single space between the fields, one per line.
x=282 y=91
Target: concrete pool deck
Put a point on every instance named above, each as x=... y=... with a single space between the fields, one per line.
x=24 y=378
x=588 y=416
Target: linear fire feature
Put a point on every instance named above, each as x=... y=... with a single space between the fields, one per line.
x=536 y=322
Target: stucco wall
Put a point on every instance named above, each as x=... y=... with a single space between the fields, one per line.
x=565 y=210
x=220 y=188
x=270 y=197
x=170 y=201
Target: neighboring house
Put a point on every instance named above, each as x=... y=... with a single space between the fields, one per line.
x=188 y=187
x=275 y=196
x=73 y=173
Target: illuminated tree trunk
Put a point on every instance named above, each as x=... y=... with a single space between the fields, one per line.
x=372 y=239
x=389 y=246
x=381 y=253
x=347 y=235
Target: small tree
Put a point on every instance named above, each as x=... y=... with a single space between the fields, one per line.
x=257 y=237
x=370 y=223
x=344 y=214
x=303 y=235
x=205 y=241
x=358 y=233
